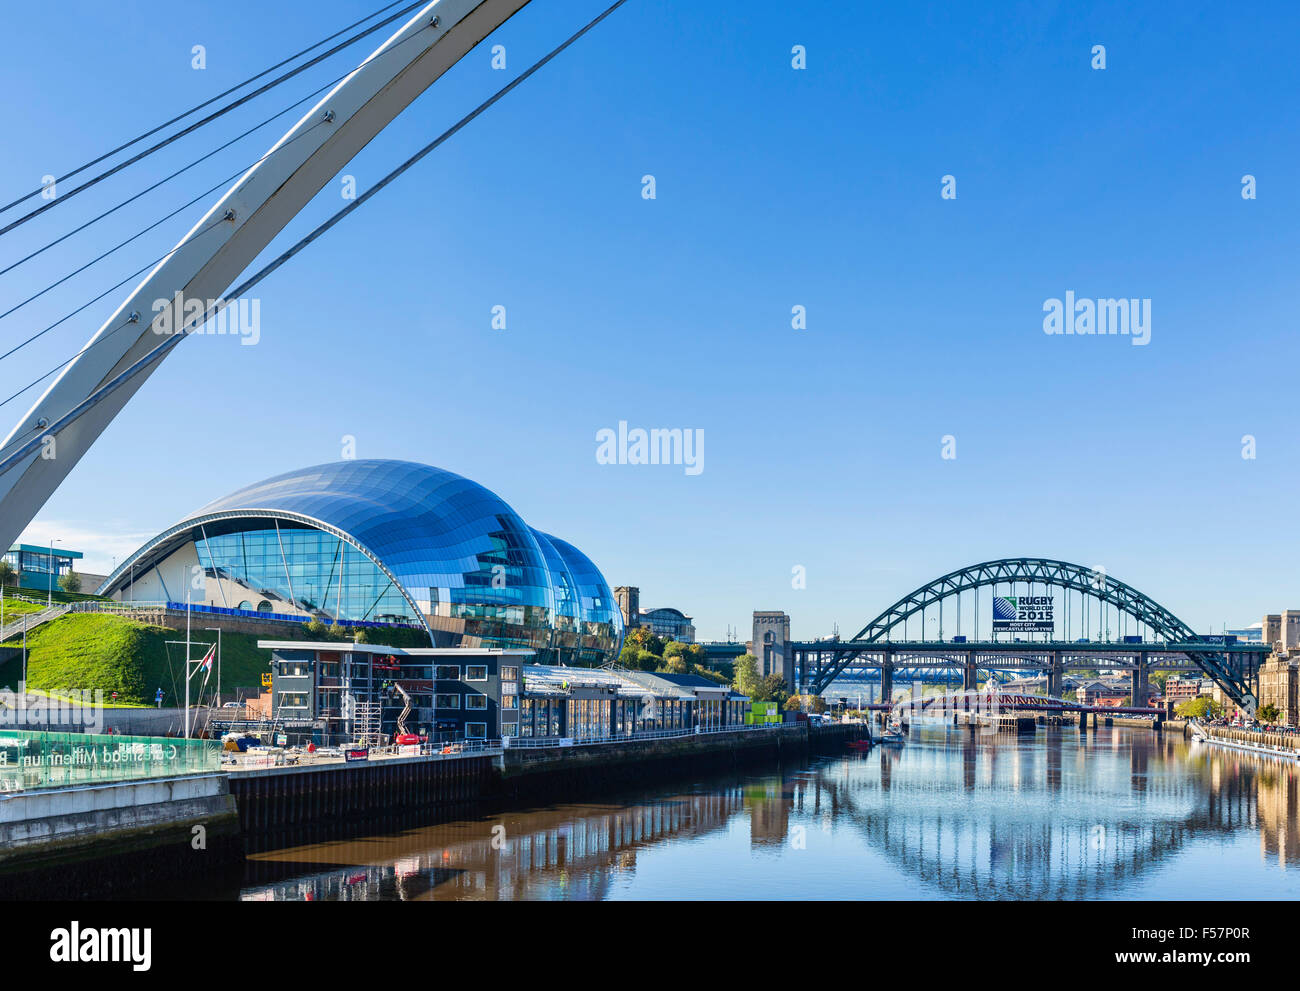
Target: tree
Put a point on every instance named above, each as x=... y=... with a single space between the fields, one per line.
x=1268 y=713
x=674 y=648
x=675 y=664
x=1201 y=707
x=8 y=574
x=360 y=635
x=774 y=689
x=806 y=703
x=745 y=679
x=70 y=582
x=646 y=661
x=643 y=639
x=712 y=675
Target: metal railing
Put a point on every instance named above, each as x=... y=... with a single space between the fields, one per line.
x=299 y=757
x=34 y=760
x=1255 y=740
x=533 y=742
x=451 y=749
x=30 y=621
x=110 y=606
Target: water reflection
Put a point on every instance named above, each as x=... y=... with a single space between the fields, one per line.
x=953 y=814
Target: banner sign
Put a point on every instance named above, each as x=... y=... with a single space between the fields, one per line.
x=1023 y=614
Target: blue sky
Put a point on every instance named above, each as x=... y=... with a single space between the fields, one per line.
x=775 y=188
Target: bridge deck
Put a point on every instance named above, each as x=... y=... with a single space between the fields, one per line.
x=1028 y=647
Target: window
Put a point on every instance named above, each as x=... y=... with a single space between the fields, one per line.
x=476 y=672
x=446 y=702
x=447 y=672
x=475 y=701
x=294 y=669
x=475 y=731
x=509 y=702
x=293 y=700
x=510 y=673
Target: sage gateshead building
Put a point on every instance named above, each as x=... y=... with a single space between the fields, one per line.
x=382 y=543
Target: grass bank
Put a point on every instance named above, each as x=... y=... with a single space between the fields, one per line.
x=89 y=651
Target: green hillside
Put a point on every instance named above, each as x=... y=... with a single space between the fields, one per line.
x=16 y=607
x=110 y=653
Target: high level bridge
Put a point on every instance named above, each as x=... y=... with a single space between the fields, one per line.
x=1062 y=600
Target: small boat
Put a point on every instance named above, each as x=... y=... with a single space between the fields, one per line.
x=893 y=736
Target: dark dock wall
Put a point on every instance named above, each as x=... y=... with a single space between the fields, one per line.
x=68 y=851
x=573 y=771
x=275 y=798
x=832 y=738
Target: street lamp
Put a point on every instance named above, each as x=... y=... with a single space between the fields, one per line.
x=49 y=597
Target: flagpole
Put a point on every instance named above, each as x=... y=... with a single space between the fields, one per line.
x=217 y=631
x=187 y=660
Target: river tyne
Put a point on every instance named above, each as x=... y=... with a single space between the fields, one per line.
x=1111 y=814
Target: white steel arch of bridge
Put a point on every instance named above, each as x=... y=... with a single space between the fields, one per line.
x=94 y=387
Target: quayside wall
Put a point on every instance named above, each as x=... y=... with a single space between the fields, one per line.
x=67 y=843
x=1288 y=742
x=276 y=798
x=528 y=774
x=279 y=797
x=92 y=841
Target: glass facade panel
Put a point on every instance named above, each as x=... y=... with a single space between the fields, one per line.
x=293 y=570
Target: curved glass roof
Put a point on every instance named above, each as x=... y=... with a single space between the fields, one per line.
x=430 y=528
x=478 y=574
x=597 y=602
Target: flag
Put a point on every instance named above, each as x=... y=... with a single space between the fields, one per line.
x=206 y=664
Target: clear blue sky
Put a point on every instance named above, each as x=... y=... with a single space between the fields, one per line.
x=775 y=188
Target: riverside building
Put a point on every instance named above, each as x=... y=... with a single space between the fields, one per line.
x=382 y=544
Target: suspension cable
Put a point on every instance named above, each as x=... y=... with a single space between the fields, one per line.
x=138 y=234
x=64 y=319
x=98 y=340
x=64 y=197
x=94 y=220
x=9 y=460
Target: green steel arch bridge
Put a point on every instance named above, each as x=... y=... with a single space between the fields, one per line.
x=1092 y=600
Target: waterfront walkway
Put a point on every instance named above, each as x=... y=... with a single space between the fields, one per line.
x=1266 y=743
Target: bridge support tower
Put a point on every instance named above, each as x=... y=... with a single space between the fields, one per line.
x=969 y=673
x=1141 y=681
x=887 y=679
x=1055 y=675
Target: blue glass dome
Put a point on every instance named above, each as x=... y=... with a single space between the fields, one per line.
x=388 y=541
